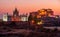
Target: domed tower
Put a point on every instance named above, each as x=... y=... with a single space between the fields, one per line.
x=15 y=12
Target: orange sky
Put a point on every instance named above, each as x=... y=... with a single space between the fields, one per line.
x=26 y=6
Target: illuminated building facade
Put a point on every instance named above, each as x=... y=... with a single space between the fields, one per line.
x=15 y=16
x=40 y=15
x=5 y=17
x=24 y=17
x=57 y=16
x=45 y=12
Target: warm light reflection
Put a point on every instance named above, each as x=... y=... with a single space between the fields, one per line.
x=39 y=23
x=42 y=12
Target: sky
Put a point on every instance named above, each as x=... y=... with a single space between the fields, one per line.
x=26 y=6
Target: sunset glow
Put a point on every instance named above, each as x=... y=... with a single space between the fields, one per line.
x=26 y=6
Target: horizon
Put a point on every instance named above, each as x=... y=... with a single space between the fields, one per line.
x=26 y=6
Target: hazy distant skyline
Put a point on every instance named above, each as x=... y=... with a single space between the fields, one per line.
x=25 y=6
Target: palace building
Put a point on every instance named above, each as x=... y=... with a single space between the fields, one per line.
x=15 y=16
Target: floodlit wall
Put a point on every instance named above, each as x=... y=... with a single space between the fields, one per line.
x=5 y=17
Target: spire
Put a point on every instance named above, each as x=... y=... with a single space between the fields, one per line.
x=15 y=12
x=15 y=9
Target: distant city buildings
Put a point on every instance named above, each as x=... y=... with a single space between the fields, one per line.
x=41 y=15
x=24 y=17
x=15 y=16
x=57 y=16
x=45 y=12
x=5 y=17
